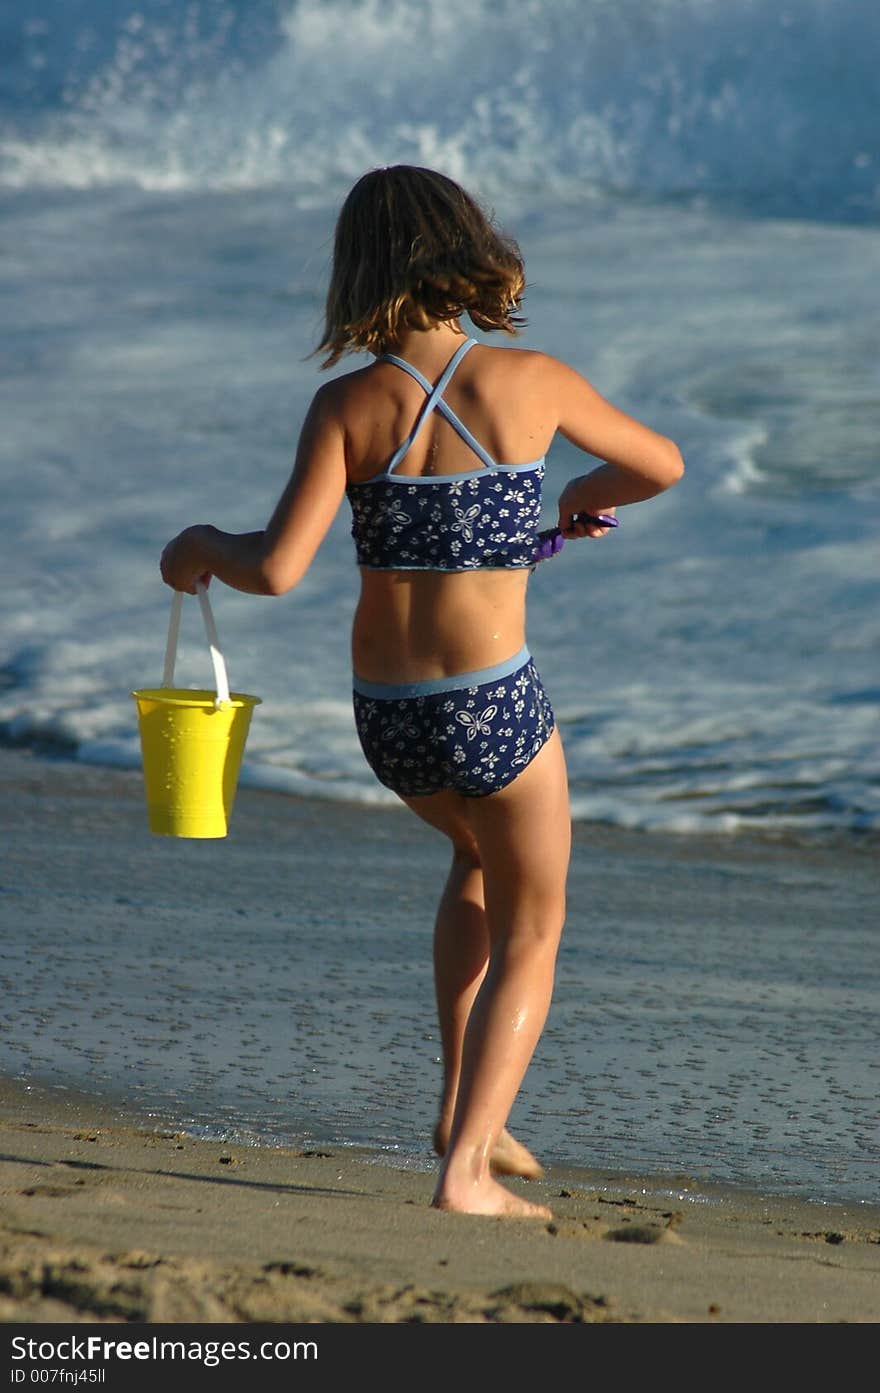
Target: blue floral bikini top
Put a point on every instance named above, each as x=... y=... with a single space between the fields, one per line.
x=485 y=517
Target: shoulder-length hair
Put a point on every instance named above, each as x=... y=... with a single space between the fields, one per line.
x=412 y=249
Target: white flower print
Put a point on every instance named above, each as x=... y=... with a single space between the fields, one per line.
x=529 y=754
x=486 y=518
x=463 y=521
x=401 y=724
x=395 y=511
x=430 y=538
x=477 y=724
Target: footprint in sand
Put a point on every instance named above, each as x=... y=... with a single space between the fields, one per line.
x=642 y=1233
x=51 y=1192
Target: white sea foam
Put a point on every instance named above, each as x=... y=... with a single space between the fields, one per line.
x=697 y=96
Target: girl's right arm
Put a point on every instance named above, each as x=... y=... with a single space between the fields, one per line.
x=637 y=463
x=274 y=560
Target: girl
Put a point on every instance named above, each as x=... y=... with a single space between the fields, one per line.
x=439 y=445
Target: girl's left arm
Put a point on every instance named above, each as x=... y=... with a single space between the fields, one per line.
x=273 y=561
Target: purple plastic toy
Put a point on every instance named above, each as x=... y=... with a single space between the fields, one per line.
x=552 y=541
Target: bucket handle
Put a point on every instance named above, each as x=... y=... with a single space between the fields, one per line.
x=221 y=680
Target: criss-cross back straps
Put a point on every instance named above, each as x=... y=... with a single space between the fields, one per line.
x=435 y=401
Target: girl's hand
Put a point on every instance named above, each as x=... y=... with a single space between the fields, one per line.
x=183 y=560
x=581 y=528
x=571 y=504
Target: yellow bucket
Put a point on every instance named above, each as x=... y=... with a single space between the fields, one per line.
x=192 y=743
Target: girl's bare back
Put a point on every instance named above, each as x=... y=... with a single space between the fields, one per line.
x=413 y=624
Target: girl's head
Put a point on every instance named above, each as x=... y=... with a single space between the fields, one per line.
x=413 y=249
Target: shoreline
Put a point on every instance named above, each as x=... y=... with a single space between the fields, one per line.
x=105 y=1222
x=746 y=835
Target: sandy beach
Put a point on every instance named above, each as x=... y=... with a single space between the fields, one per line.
x=100 y=1221
x=106 y=1215
x=106 y=1222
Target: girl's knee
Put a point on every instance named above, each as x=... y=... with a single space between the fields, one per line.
x=465 y=852
x=529 y=927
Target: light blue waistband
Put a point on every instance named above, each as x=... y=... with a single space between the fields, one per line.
x=434 y=685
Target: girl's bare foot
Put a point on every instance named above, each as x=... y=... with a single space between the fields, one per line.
x=509 y=1156
x=487 y=1197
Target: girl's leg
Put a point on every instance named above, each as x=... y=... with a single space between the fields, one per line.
x=523 y=834
x=461 y=955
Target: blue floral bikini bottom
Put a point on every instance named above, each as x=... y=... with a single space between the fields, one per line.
x=474 y=732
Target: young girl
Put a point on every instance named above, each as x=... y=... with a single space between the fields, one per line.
x=439 y=444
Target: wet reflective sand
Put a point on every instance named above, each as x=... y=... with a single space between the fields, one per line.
x=714 y=1018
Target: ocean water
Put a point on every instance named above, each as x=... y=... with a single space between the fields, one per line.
x=695 y=185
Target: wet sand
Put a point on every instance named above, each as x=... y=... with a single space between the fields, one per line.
x=108 y=1215
x=104 y=1222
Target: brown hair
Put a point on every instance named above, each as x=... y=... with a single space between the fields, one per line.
x=412 y=249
